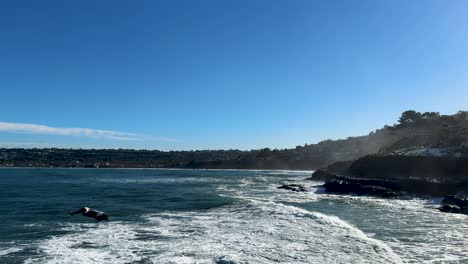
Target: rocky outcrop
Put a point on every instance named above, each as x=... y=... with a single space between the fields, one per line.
x=294 y=187
x=439 y=176
x=442 y=169
x=455 y=204
x=349 y=185
x=322 y=175
x=390 y=176
x=331 y=172
x=427 y=175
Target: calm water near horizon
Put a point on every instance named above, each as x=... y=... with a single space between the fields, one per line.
x=213 y=216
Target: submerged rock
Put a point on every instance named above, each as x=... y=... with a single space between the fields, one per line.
x=294 y=187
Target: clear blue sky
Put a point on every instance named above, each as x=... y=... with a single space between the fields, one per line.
x=224 y=74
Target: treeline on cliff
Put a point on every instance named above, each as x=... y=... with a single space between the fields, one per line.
x=413 y=129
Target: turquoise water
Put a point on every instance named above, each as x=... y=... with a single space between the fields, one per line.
x=213 y=216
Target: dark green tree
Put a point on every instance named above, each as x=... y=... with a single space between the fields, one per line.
x=431 y=115
x=409 y=117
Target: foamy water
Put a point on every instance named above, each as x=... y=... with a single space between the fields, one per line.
x=224 y=217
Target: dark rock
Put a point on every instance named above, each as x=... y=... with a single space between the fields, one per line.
x=464 y=210
x=450 y=209
x=330 y=172
x=372 y=182
x=457 y=200
x=378 y=191
x=390 y=175
x=322 y=175
x=446 y=208
x=347 y=187
x=413 y=175
x=455 y=204
x=294 y=187
x=426 y=175
x=445 y=169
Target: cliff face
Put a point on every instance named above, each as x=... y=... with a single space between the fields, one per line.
x=411 y=174
x=431 y=168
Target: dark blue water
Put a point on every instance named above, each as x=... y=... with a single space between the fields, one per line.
x=201 y=216
x=34 y=203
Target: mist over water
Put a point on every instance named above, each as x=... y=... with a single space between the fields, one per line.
x=213 y=216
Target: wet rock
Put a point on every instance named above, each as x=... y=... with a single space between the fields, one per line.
x=457 y=204
x=459 y=200
x=449 y=208
x=350 y=187
x=294 y=187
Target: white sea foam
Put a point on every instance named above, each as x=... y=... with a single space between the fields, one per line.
x=90 y=243
x=10 y=250
x=264 y=188
x=414 y=228
x=265 y=232
x=264 y=227
x=251 y=232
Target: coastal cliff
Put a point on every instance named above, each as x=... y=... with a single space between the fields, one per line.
x=392 y=176
x=431 y=158
x=412 y=174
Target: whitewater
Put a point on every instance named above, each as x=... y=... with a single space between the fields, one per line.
x=214 y=216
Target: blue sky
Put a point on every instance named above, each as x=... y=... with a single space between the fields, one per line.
x=223 y=74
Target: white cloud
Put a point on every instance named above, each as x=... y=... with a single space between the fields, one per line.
x=86 y=132
x=15 y=144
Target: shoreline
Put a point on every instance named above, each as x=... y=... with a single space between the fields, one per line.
x=388 y=176
x=150 y=168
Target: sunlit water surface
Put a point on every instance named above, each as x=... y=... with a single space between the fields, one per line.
x=213 y=216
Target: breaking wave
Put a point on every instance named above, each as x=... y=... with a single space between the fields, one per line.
x=259 y=224
x=250 y=232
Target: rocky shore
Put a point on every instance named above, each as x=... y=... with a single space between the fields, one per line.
x=393 y=176
x=294 y=187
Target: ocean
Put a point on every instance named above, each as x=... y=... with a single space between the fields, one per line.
x=213 y=216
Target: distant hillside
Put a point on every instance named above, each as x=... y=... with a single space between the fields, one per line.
x=414 y=130
x=431 y=130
